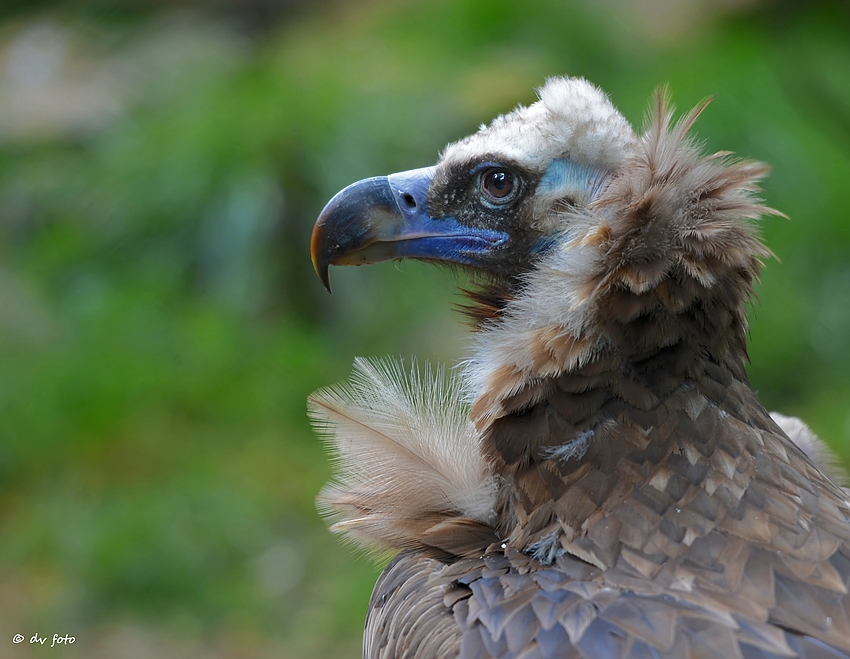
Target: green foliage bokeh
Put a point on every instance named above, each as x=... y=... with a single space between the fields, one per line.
x=161 y=326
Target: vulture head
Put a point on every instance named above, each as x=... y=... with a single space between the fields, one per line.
x=496 y=201
x=598 y=479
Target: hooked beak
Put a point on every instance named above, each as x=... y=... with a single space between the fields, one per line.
x=386 y=217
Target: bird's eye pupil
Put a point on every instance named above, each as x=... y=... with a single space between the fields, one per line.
x=498 y=184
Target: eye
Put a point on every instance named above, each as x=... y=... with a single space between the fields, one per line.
x=498 y=185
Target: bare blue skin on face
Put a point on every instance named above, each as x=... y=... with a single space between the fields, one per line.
x=565 y=178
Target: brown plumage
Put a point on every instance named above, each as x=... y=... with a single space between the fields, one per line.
x=615 y=487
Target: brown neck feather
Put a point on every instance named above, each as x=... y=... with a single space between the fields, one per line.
x=486 y=302
x=567 y=442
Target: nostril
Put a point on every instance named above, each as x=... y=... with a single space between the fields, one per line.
x=408 y=200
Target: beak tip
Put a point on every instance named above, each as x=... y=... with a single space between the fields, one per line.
x=326 y=282
x=320 y=261
x=321 y=269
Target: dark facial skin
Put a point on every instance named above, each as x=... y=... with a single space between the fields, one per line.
x=491 y=193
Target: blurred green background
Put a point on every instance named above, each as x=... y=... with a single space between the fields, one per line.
x=161 y=165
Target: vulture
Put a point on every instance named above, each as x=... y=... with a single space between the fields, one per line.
x=597 y=479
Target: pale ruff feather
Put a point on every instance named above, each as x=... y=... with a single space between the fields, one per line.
x=406 y=452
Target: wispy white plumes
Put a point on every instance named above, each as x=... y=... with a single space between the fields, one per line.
x=406 y=453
